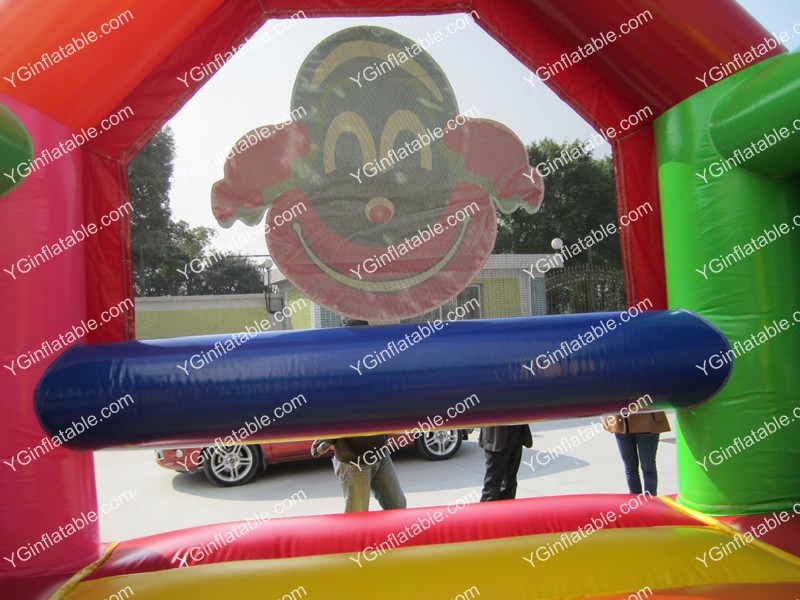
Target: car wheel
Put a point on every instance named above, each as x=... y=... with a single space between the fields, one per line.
x=231 y=465
x=439 y=445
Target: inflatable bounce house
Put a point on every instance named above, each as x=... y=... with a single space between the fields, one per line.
x=389 y=181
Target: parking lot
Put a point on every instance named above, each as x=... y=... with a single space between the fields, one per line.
x=145 y=499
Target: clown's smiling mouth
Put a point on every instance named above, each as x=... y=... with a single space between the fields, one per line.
x=384 y=285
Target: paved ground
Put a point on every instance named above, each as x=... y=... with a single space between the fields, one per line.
x=143 y=498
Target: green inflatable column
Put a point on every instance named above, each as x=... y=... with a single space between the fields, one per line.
x=731 y=241
x=15 y=148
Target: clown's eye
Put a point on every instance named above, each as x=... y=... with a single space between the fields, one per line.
x=408 y=126
x=348 y=143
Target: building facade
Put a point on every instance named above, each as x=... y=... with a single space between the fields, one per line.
x=509 y=285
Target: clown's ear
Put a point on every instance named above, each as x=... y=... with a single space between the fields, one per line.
x=262 y=164
x=491 y=150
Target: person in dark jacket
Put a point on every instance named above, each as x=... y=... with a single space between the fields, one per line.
x=637 y=440
x=502 y=447
x=363 y=464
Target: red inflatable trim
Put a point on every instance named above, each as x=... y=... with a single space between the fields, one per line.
x=786 y=536
x=333 y=534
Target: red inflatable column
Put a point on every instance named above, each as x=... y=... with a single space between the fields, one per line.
x=48 y=500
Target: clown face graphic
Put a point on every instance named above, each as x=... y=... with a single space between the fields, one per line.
x=398 y=189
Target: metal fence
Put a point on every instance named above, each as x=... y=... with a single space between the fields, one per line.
x=584 y=288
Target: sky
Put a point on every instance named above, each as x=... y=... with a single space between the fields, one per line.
x=254 y=88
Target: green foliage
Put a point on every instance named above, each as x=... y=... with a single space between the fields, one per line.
x=170 y=258
x=224 y=274
x=579 y=196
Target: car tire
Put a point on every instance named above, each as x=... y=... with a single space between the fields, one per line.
x=228 y=466
x=438 y=445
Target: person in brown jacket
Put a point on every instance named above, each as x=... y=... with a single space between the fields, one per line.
x=637 y=440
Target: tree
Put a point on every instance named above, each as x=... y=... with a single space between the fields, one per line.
x=165 y=252
x=225 y=274
x=579 y=196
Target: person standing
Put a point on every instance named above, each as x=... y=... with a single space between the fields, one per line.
x=502 y=447
x=363 y=465
x=637 y=439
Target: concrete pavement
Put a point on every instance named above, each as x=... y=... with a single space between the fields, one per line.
x=569 y=457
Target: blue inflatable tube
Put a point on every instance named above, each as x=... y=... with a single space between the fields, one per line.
x=329 y=382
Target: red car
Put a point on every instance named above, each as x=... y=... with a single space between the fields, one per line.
x=238 y=464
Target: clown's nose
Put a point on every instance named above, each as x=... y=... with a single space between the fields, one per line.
x=379 y=210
